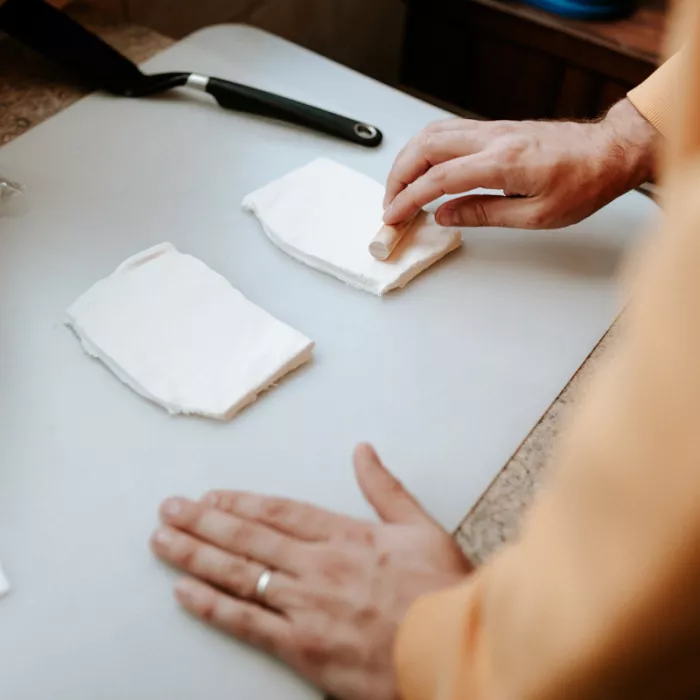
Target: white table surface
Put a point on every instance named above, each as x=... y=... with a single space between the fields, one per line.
x=446 y=377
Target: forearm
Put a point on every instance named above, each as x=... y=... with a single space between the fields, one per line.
x=635 y=141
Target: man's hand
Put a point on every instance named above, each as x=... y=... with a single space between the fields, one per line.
x=339 y=586
x=553 y=173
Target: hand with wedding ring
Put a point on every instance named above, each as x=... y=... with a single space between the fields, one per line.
x=323 y=592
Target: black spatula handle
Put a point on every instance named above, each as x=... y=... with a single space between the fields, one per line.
x=266 y=104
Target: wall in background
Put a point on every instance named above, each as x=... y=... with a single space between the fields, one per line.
x=508 y=60
x=363 y=34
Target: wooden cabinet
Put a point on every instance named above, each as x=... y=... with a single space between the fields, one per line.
x=506 y=60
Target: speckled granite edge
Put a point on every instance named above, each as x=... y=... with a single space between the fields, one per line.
x=496 y=518
x=32 y=90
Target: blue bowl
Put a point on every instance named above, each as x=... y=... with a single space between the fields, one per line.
x=586 y=9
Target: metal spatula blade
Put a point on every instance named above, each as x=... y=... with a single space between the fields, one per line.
x=55 y=35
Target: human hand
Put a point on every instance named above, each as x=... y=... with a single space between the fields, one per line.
x=339 y=586
x=553 y=174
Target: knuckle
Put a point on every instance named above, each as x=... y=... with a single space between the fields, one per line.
x=434 y=127
x=405 y=200
x=226 y=501
x=458 y=121
x=310 y=521
x=243 y=622
x=278 y=550
x=336 y=569
x=383 y=560
x=213 y=499
x=276 y=510
x=511 y=150
x=241 y=536
x=367 y=615
x=312 y=647
x=502 y=128
x=183 y=553
x=395 y=487
x=439 y=175
x=208 y=609
x=357 y=533
x=267 y=641
x=295 y=598
x=538 y=218
x=233 y=573
x=427 y=141
x=481 y=214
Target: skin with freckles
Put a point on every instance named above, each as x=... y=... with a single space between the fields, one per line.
x=339 y=587
x=553 y=174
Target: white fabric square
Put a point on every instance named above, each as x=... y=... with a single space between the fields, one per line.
x=325 y=215
x=180 y=335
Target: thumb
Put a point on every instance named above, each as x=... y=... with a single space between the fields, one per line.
x=388 y=497
x=491 y=210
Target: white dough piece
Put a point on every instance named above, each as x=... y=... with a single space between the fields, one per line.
x=326 y=215
x=179 y=334
x=4 y=584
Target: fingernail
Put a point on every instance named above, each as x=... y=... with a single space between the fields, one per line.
x=367 y=448
x=211 y=499
x=173 y=506
x=162 y=536
x=388 y=213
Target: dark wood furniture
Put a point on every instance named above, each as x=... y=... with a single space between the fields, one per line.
x=503 y=59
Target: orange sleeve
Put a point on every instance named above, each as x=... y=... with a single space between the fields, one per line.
x=655 y=97
x=598 y=599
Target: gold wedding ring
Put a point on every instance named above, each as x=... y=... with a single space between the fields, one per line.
x=262 y=585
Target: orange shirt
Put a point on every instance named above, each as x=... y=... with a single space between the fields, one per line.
x=599 y=598
x=654 y=98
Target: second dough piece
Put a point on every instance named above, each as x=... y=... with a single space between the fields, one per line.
x=326 y=214
x=180 y=335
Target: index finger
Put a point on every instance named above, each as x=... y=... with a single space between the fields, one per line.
x=300 y=520
x=426 y=150
x=232 y=534
x=452 y=177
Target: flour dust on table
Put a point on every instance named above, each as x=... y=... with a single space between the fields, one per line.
x=326 y=215
x=179 y=334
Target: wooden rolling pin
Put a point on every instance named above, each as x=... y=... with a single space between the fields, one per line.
x=388 y=237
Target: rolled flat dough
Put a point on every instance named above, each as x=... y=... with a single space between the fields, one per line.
x=4 y=584
x=179 y=334
x=326 y=215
